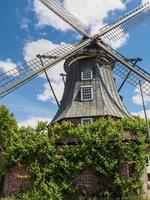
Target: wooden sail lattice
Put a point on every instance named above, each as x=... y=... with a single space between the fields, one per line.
x=124 y=66
x=56 y=7
x=138 y=17
x=21 y=74
x=133 y=79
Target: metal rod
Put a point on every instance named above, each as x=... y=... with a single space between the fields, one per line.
x=145 y=113
x=127 y=76
x=49 y=82
x=123 y=82
x=52 y=88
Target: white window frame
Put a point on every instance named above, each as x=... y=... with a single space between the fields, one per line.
x=86 y=118
x=82 y=93
x=84 y=74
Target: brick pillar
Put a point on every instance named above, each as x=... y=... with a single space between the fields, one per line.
x=87 y=181
x=125 y=171
x=16 y=179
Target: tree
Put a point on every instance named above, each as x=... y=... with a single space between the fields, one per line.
x=8 y=127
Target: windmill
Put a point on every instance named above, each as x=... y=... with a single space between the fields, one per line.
x=90 y=91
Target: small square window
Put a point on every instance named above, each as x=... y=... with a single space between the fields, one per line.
x=87 y=74
x=86 y=120
x=86 y=93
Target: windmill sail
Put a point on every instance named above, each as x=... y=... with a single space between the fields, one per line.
x=22 y=74
x=125 y=24
x=123 y=67
x=55 y=6
x=132 y=78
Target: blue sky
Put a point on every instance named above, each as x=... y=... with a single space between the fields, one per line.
x=26 y=28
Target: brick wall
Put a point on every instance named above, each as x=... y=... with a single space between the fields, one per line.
x=87 y=181
x=16 y=179
x=125 y=171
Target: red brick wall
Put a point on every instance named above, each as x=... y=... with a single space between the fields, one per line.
x=16 y=179
x=86 y=180
x=125 y=171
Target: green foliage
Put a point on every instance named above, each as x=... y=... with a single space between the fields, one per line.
x=8 y=198
x=8 y=127
x=29 y=146
x=48 y=191
x=100 y=147
x=42 y=127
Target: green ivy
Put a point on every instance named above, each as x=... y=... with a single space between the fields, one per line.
x=100 y=147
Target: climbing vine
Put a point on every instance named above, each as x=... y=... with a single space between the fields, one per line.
x=99 y=146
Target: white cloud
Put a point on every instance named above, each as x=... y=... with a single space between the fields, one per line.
x=24 y=23
x=137 y=99
x=33 y=121
x=145 y=1
x=92 y=13
x=48 y=18
x=58 y=87
x=141 y=113
x=8 y=65
x=42 y=46
x=119 y=43
x=44 y=96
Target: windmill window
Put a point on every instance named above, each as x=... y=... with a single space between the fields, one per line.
x=86 y=120
x=87 y=74
x=86 y=93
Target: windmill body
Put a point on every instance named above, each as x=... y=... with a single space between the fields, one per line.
x=90 y=56
x=90 y=91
